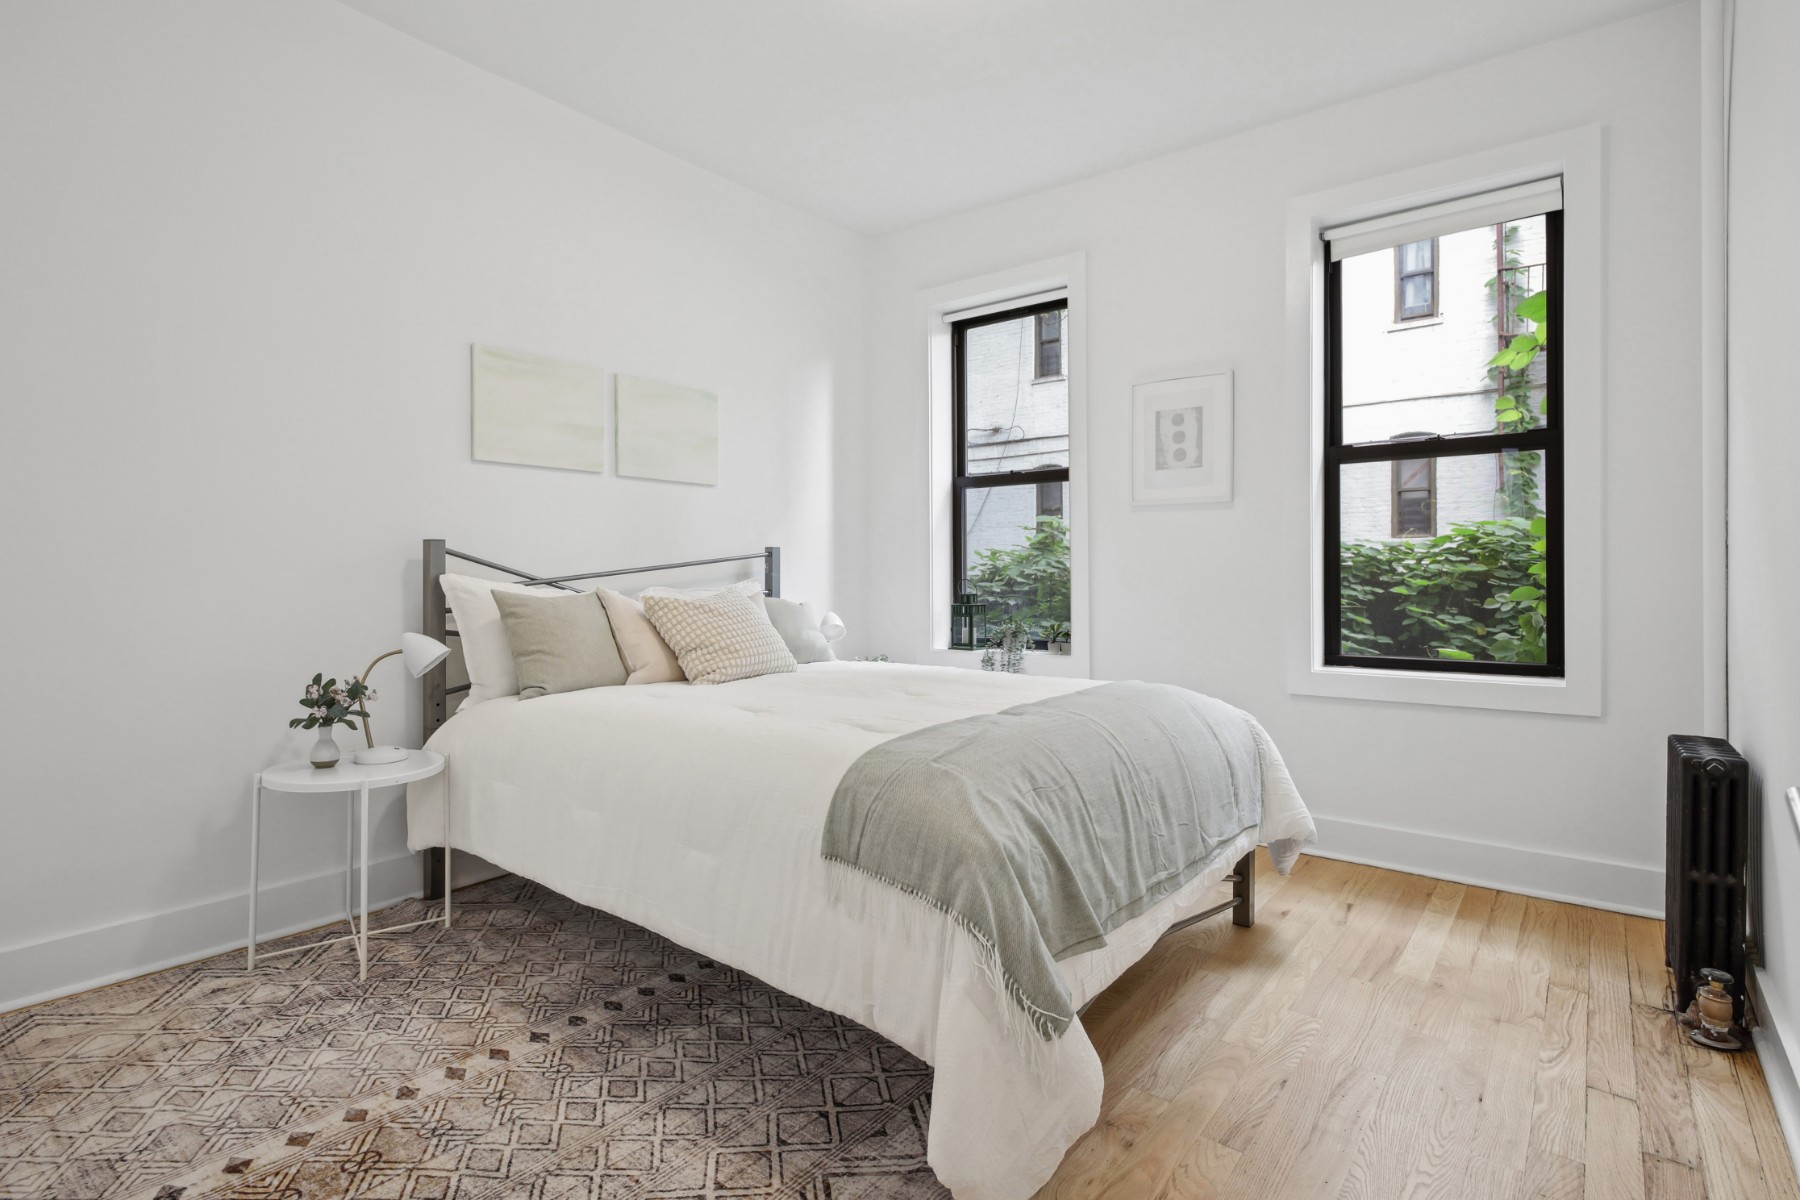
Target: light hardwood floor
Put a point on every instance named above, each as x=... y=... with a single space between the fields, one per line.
x=1380 y=1035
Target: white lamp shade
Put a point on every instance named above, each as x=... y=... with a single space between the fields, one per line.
x=832 y=627
x=421 y=653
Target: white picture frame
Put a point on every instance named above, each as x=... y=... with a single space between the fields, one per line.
x=1181 y=443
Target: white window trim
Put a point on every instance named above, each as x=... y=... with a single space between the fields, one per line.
x=1067 y=272
x=1578 y=156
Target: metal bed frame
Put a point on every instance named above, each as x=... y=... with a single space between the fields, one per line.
x=436 y=557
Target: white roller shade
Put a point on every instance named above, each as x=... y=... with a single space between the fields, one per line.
x=1451 y=216
x=982 y=310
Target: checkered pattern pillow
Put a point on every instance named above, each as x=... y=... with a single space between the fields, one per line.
x=720 y=636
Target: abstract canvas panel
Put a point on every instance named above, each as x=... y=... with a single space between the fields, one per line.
x=1181 y=440
x=667 y=431
x=536 y=411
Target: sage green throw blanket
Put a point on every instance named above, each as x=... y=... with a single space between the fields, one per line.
x=1040 y=828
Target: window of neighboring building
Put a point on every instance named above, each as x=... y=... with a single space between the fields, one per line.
x=1011 y=464
x=1049 y=345
x=1415 y=280
x=1443 y=449
x=1414 y=499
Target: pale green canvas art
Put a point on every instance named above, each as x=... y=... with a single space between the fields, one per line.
x=541 y=412
x=667 y=431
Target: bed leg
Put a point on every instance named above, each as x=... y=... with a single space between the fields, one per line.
x=1243 y=891
x=434 y=873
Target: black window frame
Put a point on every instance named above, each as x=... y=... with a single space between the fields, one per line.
x=1039 y=342
x=962 y=482
x=1401 y=275
x=1548 y=438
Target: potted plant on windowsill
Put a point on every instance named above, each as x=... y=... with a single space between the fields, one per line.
x=1007 y=641
x=1056 y=637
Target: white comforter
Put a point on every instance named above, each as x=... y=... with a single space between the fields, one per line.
x=697 y=812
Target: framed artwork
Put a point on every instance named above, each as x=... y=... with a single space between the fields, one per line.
x=1181 y=440
x=536 y=411
x=667 y=431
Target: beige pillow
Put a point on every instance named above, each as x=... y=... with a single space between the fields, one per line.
x=647 y=657
x=487 y=656
x=798 y=625
x=559 y=643
x=719 y=637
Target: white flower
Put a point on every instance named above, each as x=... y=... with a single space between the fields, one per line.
x=322 y=711
x=312 y=691
x=369 y=696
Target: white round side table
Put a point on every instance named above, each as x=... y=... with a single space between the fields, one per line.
x=354 y=780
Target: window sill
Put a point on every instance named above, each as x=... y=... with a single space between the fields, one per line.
x=1517 y=693
x=1073 y=665
x=1415 y=323
x=1050 y=379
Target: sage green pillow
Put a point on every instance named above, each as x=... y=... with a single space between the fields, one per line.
x=560 y=643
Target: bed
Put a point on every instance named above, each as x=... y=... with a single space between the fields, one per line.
x=697 y=813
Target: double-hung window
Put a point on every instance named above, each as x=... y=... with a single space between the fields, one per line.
x=1010 y=404
x=1443 y=454
x=1415 y=280
x=1415 y=497
x=1050 y=343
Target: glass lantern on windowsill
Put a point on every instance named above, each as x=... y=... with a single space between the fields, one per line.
x=968 y=622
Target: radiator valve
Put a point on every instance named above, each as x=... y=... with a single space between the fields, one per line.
x=1711 y=1012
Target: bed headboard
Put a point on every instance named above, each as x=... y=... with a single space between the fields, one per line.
x=436 y=559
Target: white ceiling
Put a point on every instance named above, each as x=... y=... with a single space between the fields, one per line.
x=882 y=113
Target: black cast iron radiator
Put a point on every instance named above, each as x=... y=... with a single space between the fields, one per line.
x=1710 y=843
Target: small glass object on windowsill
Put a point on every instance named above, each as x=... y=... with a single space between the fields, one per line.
x=968 y=622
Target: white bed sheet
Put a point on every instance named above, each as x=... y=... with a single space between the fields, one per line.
x=697 y=812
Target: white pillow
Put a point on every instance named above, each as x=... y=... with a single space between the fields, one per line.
x=748 y=587
x=719 y=637
x=798 y=624
x=487 y=655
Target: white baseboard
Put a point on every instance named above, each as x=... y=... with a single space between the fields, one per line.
x=61 y=966
x=1775 y=1037
x=75 y=962
x=1597 y=883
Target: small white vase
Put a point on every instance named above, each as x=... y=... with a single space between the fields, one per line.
x=325 y=750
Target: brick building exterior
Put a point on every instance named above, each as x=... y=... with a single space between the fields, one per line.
x=1428 y=375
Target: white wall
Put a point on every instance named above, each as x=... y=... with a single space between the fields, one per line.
x=1764 y=416
x=246 y=247
x=1186 y=272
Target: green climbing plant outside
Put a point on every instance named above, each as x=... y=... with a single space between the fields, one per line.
x=1030 y=580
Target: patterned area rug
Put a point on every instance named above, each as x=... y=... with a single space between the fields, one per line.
x=536 y=1048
